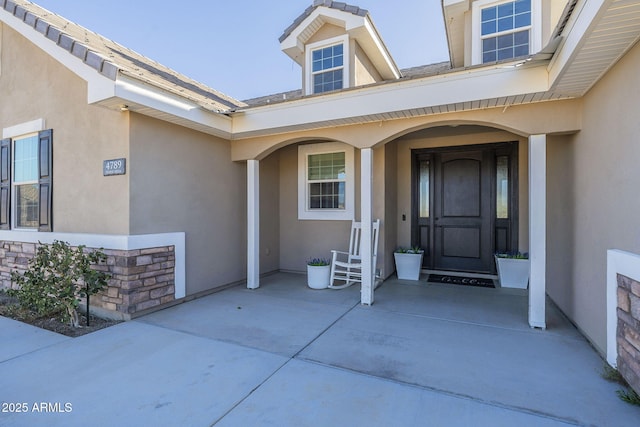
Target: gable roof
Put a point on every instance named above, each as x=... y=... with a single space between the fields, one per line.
x=111 y=59
x=355 y=10
x=356 y=22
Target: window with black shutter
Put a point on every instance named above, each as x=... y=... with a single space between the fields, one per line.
x=26 y=182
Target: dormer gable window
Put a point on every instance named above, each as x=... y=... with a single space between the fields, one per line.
x=327 y=65
x=327 y=68
x=505 y=29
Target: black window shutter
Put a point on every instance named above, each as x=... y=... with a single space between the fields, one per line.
x=45 y=179
x=5 y=184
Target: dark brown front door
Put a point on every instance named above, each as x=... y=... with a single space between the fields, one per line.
x=459 y=214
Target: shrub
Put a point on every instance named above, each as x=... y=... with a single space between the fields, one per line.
x=57 y=277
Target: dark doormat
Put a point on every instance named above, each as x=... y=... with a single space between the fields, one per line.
x=458 y=280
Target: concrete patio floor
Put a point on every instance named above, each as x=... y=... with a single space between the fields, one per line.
x=285 y=355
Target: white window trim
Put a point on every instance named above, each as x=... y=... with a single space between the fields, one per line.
x=304 y=213
x=23 y=129
x=535 y=36
x=14 y=196
x=344 y=40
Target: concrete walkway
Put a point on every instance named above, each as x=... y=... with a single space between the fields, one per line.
x=285 y=355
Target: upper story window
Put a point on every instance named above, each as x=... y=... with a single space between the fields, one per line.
x=327 y=68
x=327 y=65
x=25 y=178
x=505 y=30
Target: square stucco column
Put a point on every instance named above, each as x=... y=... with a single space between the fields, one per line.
x=253 y=224
x=537 y=229
x=366 y=217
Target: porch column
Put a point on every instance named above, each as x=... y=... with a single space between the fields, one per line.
x=366 y=217
x=253 y=224
x=537 y=229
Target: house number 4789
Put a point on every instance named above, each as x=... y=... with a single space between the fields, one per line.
x=114 y=167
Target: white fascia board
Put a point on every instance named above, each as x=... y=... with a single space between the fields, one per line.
x=99 y=86
x=584 y=20
x=136 y=92
x=379 y=54
x=444 y=89
x=447 y=3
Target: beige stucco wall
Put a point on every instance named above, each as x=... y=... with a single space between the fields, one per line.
x=35 y=86
x=184 y=181
x=364 y=71
x=303 y=239
x=599 y=173
x=270 y=213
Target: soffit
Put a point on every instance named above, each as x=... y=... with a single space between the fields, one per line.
x=614 y=31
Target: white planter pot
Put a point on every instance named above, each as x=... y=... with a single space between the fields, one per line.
x=408 y=265
x=318 y=276
x=513 y=273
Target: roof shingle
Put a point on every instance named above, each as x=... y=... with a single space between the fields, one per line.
x=110 y=58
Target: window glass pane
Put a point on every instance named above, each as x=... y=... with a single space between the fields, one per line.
x=520 y=51
x=523 y=20
x=505 y=41
x=489 y=57
x=25 y=165
x=505 y=10
x=522 y=6
x=489 y=27
x=489 y=44
x=505 y=24
x=521 y=38
x=502 y=187
x=505 y=54
x=424 y=189
x=489 y=13
x=27 y=206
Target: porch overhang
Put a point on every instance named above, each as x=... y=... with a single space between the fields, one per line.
x=499 y=85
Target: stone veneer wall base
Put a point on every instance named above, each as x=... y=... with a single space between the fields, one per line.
x=628 y=331
x=142 y=280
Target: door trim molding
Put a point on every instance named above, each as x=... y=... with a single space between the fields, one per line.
x=510 y=148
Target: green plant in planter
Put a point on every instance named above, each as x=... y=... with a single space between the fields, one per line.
x=318 y=262
x=412 y=250
x=57 y=277
x=513 y=255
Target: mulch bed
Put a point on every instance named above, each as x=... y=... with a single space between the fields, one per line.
x=10 y=308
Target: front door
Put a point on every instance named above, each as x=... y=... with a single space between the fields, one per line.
x=464 y=206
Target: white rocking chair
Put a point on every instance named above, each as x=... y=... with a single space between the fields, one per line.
x=347 y=266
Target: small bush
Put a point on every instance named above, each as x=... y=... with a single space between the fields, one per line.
x=57 y=277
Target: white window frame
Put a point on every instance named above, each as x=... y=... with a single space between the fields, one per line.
x=535 y=35
x=310 y=48
x=20 y=131
x=304 y=212
x=14 y=185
